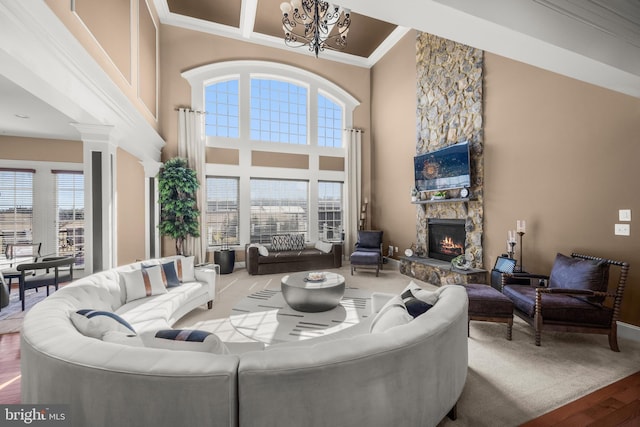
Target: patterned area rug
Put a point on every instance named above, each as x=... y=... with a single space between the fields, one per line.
x=265 y=316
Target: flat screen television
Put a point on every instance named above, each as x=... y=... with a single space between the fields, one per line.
x=443 y=169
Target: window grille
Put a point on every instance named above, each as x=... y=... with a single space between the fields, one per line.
x=330 y=210
x=222 y=112
x=329 y=123
x=278 y=111
x=278 y=207
x=222 y=214
x=70 y=224
x=16 y=206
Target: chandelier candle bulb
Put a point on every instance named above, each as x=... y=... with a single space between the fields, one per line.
x=521 y=226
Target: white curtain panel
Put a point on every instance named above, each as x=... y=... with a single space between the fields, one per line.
x=353 y=189
x=191 y=146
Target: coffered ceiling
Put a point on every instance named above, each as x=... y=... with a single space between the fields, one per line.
x=260 y=21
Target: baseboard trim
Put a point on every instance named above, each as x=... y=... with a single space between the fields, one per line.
x=628 y=331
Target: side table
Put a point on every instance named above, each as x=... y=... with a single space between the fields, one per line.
x=226 y=259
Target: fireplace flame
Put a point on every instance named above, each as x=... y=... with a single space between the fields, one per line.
x=449 y=247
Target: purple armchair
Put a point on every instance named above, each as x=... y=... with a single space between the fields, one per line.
x=576 y=299
x=368 y=251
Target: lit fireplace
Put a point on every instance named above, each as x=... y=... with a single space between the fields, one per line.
x=446 y=238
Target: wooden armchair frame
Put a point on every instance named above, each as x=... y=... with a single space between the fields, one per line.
x=538 y=322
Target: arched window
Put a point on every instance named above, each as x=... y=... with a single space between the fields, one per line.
x=278 y=127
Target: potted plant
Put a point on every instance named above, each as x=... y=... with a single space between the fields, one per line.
x=439 y=195
x=177 y=186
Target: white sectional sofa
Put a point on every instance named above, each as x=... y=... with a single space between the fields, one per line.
x=410 y=375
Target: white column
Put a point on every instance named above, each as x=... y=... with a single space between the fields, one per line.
x=99 y=158
x=152 y=208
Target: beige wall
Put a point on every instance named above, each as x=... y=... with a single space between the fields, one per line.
x=40 y=149
x=393 y=123
x=127 y=55
x=562 y=155
x=131 y=206
x=184 y=49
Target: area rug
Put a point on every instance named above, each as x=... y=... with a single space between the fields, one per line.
x=266 y=317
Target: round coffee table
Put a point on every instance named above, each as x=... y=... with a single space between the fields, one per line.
x=312 y=296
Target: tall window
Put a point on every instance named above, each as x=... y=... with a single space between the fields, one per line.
x=70 y=223
x=329 y=122
x=278 y=111
x=278 y=207
x=16 y=206
x=221 y=105
x=330 y=210
x=222 y=211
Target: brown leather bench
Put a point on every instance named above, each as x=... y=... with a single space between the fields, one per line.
x=489 y=305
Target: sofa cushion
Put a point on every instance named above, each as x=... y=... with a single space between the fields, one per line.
x=95 y=323
x=393 y=313
x=155 y=311
x=324 y=247
x=290 y=256
x=578 y=273
x=123 y=338
x=144 y=282
x=565 y=308
x=186 y=340
x=169 y=272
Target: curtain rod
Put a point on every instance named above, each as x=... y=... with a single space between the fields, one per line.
x=189 y=109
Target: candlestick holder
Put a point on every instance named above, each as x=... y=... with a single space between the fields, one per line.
x=521 y=267
x=511 y=250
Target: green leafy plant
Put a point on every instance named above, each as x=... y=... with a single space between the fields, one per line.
x=177 y=186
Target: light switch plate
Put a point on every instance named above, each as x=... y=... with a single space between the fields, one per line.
x=622 y=230
x=624 y=215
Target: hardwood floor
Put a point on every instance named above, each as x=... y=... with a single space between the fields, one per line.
x=617 y=404
x=10 y=368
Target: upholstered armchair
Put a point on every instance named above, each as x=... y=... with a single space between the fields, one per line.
x=575 y=297
x=367 y=251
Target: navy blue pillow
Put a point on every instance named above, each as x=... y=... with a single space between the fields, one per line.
x=191 y=335
x=415 y=307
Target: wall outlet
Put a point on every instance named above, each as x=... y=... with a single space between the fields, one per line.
x=624 y=215
x=622 y=230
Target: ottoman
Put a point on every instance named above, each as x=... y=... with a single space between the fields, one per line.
x=489 y=305
x=365 y=259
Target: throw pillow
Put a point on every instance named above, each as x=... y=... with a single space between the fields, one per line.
x=577 y=273
x=415 y=307
x=280 y=242
x=296 y=242
x=96 y=323
x=430 y=297
x=186 y=269
x=169 y=273
x=393 y=313
x=187 y=340
x=262 y=250
x=324 y=246
x=143 y=283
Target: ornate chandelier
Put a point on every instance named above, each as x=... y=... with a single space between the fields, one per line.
x=318 y=24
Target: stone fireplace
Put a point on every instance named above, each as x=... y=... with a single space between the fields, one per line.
x=449 y=110
x=446 y=238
